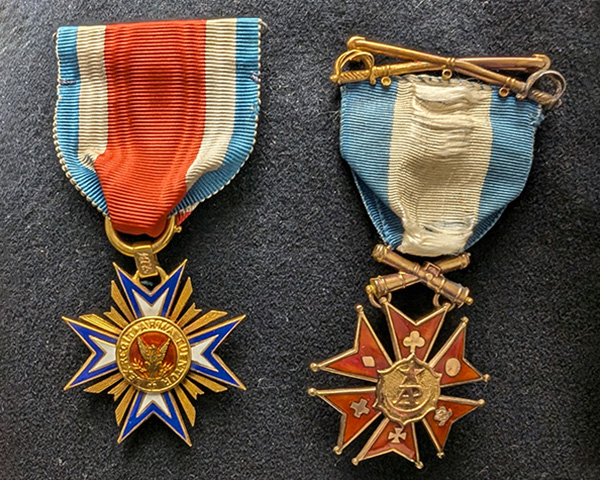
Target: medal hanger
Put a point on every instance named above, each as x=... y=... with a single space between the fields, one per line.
x=152 y=119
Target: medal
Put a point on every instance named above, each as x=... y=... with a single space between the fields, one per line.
x=151 y=120
x=436 y=159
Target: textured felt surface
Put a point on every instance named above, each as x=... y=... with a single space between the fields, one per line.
x=289 y=243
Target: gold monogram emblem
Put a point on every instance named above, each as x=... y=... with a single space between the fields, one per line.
x=153 y=354
x=408 y=390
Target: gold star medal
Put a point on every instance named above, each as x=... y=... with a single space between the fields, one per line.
x=436 y=159
x=151 y=120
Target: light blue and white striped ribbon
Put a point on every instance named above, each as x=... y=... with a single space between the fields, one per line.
x=436 y=161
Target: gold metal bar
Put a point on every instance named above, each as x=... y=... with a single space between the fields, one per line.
x=533 y=63
x=379 y=71
x=428 y=274
x=145 y=259
x=361 y=43
x=476 y=67
x=382 y=285
x=509 y=63
x=471 y=70
x=517 y=64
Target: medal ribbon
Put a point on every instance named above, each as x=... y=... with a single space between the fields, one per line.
x=436 y=161
x=153 y=118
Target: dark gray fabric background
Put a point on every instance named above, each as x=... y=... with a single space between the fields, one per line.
x=288 y=242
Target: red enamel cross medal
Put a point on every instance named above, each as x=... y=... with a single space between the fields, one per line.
x=436 y=159
x=408 y=386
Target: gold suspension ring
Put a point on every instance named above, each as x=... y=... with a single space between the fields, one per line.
x=129 y=249
x=144 y=252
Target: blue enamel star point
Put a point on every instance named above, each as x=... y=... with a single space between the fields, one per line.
x=154 y=353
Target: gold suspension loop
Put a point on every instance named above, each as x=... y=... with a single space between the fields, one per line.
x=379 y=302
x=437 y=303
x=129 y=249
x=144 y=252
x=161 y=272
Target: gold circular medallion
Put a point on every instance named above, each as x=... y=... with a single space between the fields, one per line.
x=153 y=354
x=452 y=367
x=408 y=390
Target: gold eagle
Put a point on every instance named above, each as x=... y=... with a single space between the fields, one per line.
x=153 y=356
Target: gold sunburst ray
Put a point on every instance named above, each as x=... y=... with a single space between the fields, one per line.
x=209 y=317
x=116 y=317
x=210 y=384
x=118 y=389
x=124 y=404
x=104 y=384
x=184 y=296
x=101 y=323
x=189 y=315
x=186 y=404
x=118 y=298
x=192 y=388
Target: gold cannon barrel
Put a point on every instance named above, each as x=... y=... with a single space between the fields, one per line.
x=383 y=285
x=431 y=274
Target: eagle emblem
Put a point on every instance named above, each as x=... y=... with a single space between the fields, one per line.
x=153 y=357
x=155 y=352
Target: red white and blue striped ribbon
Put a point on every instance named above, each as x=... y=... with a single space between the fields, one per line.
x=153 y=118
